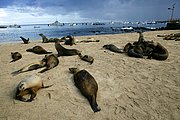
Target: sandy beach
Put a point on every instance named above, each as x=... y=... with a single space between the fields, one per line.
x=129 y=88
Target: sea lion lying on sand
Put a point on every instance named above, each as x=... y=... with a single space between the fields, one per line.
x=65 y=52
x=86 y=58
x=69 y=40
x=29 y=85
x=49 y=61
x=26 y=41
x=159 y=52
x=113 y=48
x=46 y=40
x=38 y=50
x=15 y=56
x=175 y=36
x=87 y=85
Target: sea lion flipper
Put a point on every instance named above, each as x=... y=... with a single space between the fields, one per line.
x=93 y=103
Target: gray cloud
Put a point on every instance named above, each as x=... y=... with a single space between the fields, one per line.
x=130 y=10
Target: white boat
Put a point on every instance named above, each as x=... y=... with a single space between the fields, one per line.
x=127 y=29
x=56 y=23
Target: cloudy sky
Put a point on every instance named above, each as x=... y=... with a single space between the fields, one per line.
x=47 y=11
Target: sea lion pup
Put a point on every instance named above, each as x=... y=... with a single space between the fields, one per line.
x=86 y=58
x=26 y=41
x=113 y=48
x=87 y=85
x=15 y=56
x=159 y=52
x=69 y=40
x=29 y=85
x=38 y=50
x=65 y=52
x=51 y=62
x=44 y=38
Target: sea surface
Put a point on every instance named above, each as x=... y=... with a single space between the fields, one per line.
x=11 y=35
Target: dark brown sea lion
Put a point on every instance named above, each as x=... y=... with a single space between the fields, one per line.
x=126 y=47
x=69 y=40
x=29 y=85
x=65 y=52
x=26 y=41
x=87 y=85
x=113 y=48
x=51 y=62
x=15 y=56
x=135 y=51
x=44 y=38
x=159 y=52
x=38 y=50
x=86 y=58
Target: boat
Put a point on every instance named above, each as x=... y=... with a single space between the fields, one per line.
x=3 y=26
x=14 y=26
x=36 y=26
x=127 y=29
x=98 y=23
x=56 y=23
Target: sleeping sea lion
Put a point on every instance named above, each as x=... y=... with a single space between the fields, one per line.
x=135 y=51
x=15 y=56
x=51 y=62
x=38 y=50
x=86 y=58
x=159 y=52
x=69 y=40
x=113 y=48
x=87 y=85
x=29 y=85
x=26 y=41
x=65 y=52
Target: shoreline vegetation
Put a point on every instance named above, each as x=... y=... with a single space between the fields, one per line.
x=129 y=88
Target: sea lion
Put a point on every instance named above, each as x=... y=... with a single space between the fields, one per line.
x=44 y=38
x=69 y=40
x=15 y=56
x=26 y=41
x=86 y=58
x=135 y=51
x=38 y=50
x=126 y=47
x=30 y=67
x=113 y=48
x=29 y=85
x=159 y=52
x=87 y=85
x=65 y=52
x=51 y=62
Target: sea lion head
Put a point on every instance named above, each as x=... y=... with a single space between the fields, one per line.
x=22 y=86
x=73 y=70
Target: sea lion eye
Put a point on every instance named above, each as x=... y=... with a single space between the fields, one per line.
x=21 y=87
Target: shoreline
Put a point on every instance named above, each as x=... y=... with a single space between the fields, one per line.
x=129 y=88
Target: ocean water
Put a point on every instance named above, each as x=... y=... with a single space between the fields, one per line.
x=10 y=35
